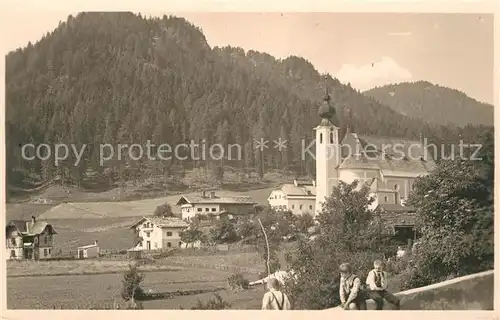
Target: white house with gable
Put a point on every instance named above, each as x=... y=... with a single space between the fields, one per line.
x=209 y=204
x=155 y=233
x=298 y=198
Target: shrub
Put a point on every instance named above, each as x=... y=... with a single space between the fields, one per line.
x=303 y=222
x=164 y=210
x=237 y=282
x=398 y=264
x=317 y=280
x=455 y=210
x=348 y=232
x=132 y=280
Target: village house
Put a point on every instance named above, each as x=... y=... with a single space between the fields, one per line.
x=32 y=240
x=211 y=205
x=156 y=233
x=298 y=198
x=88 y=251
x=400 y=221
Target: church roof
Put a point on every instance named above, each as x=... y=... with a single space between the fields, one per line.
x=393 y=156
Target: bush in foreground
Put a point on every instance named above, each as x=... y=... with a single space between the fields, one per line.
x=132 y=280
x=237 y=282
x=215 y=303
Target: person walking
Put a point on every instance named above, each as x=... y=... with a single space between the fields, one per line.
x=275 y=299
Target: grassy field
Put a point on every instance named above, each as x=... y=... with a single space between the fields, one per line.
x=122 y=209
x=81 y=223
x=83 y=291
x=111 y=233
x=82 y=284
x=149 y=186
x=249 y=263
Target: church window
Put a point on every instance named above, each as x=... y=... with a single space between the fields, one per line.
x=300 y=206
x=331 y=137
x=396 y=187
x=310 y=207
x=320 y=138
x=385 y=199
x=293 y=206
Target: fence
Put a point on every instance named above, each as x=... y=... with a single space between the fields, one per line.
x=204 y=265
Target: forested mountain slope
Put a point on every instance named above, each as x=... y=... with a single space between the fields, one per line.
x=120 y=78
x=433 y=103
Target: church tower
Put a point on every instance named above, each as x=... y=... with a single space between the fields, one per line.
x=327 y=151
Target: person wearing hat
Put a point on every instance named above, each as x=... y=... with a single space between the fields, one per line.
x=351 y=295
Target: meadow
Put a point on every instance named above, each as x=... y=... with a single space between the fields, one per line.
x=184 y=277
x=245 y=262
x=84 y=291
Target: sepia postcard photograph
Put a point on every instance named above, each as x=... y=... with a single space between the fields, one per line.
x=336 y=161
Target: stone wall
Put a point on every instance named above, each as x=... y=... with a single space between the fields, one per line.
x=472 y=292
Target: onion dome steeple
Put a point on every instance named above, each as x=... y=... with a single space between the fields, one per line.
x=327 y=111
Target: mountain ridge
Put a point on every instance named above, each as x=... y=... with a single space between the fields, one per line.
x=433 y=103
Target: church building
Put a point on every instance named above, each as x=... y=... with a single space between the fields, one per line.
x=388 y=166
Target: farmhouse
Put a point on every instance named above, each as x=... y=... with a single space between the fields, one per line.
x=155 y=233
x=29 y=239
x=88 y=251
x=299 y=197
x=215 y=206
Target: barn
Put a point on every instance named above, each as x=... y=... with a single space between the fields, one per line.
x=88 y=251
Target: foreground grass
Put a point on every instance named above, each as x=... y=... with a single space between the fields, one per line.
x=85 y=291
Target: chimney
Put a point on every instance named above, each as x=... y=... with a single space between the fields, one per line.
x=95 y=242
x=203 y=195
x=314 y=183
x=212 y=194
x=33 y=219
x=295 y=182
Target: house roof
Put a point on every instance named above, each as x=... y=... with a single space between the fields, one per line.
x=292 y=190
x=163 y=222
x=88 y=246
x=303 y=182
x=30 y=228
x=397 y=215
x=399 y=219
x=395 y=207
x=217 y=200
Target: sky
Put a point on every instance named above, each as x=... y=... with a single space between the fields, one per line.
x=364 y=49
